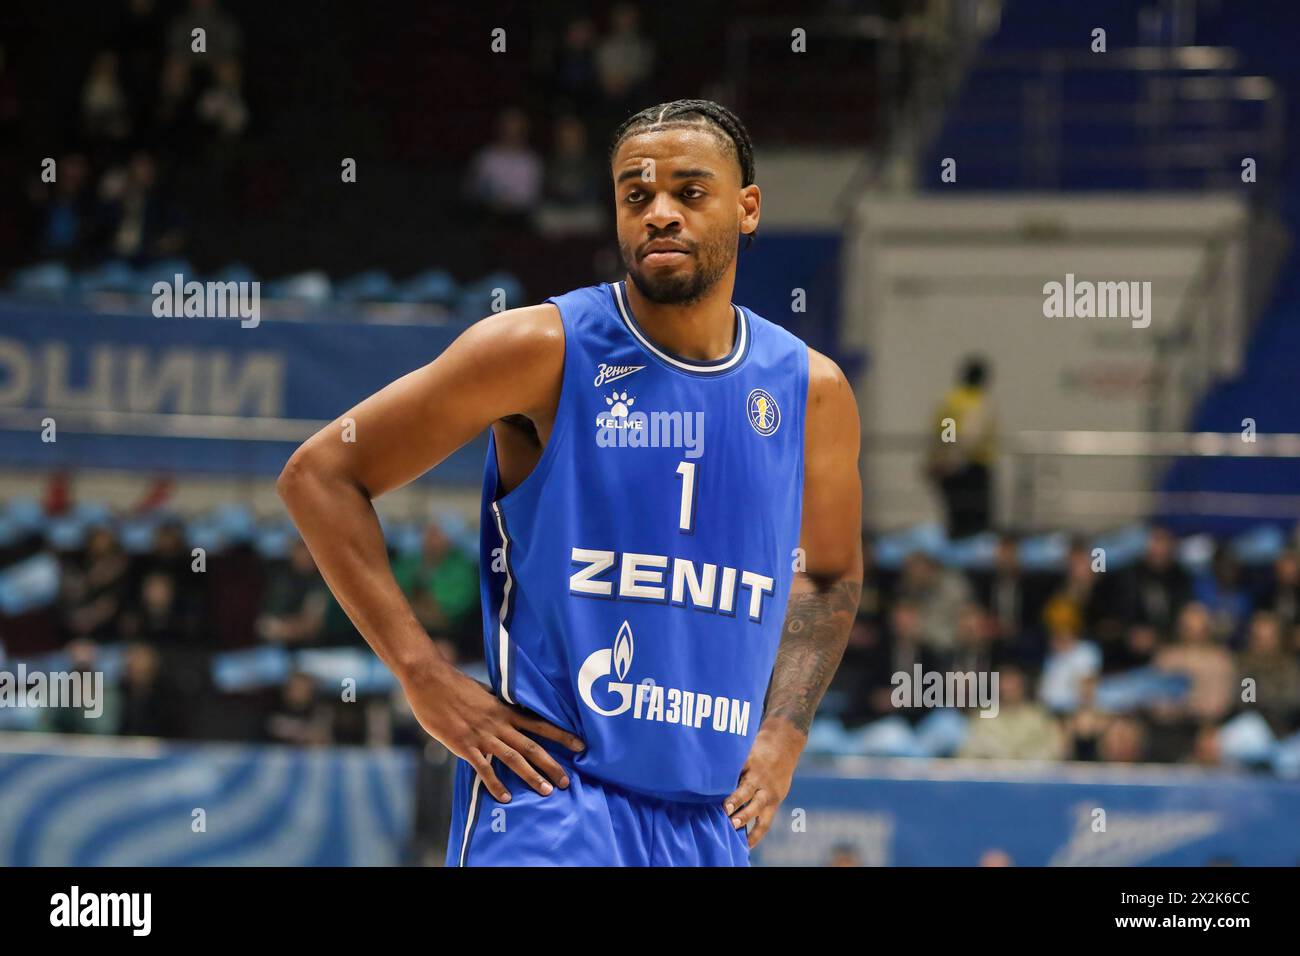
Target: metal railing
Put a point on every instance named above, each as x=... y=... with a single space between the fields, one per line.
x=1045 y=484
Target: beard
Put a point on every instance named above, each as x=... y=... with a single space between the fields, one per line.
x=683 y=286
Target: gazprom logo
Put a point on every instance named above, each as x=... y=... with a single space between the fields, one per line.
x=650 y=702
x=616 y=660
x=623 y=650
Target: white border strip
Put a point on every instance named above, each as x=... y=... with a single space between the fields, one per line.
x=503 y=636
x=469 y=818
x=738 y=353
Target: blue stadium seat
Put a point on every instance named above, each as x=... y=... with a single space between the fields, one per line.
x=164 y=270
x=66 y=534
x=45 y=279
x=1247 y=739
x=29 y=584
x=431 y=286
x=115 y=275
x=1044 y=552
x=234 y=272
x=313 y=286
x=372 y=286
x=1260 y=545
x=27 y=513
x=273 y=541
x=481 y=298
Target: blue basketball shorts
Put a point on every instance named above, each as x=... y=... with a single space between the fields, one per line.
x=589 y=823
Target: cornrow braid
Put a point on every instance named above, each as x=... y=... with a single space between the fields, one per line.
x=723 y=123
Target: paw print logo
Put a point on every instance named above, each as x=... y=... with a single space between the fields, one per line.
x=619 y=404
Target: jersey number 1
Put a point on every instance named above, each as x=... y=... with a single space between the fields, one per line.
x=686 y=517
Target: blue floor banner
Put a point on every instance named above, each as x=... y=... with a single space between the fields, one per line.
x=963 y=813
x=67 y=801
x=137 y=802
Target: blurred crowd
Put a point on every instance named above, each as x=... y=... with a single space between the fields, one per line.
x=151 y=101
x=171 y=614
x=594 y=75
x=1232 y=633
x=158 y=125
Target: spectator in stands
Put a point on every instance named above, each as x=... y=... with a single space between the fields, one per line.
x=83 y=659
x=961 y=457
x=441 y=582
x=574 y=70
x=877 y=584
x=1223 y=595
x=904 y=651
x=1275 y=674
x=1283 y=594
x=1206 y=750
x=939 y=593
x=979 y=646
x=1070 y=658
x=221 y=106
x=222 y=36
x=1123 y=741
x=166 y=603
x=1013 y=598
x=175 y=124
x=624 y=58
x=1155 y=589
x=574 y=183
x=1081 y=590
x=297 y=718
x=140 y=224
x=93 y=589
x=506 y=175
x=149 y=706
x=844 y=854
x=863 y=673
x=1022 y=729
x=1140 y=644
x=1123 y=645
x=65 y=209
x=105 y=111
x=1085 y=727
x=1207 y=663
x=157 y=615
x=297 y=598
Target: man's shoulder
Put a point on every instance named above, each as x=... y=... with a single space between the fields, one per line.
x=829 y=392
x=524 y=333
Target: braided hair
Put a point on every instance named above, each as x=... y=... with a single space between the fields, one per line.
x=705 y=114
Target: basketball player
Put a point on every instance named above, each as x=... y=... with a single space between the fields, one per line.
x=671 y=551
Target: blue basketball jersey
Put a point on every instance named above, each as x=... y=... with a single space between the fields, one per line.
x=635 y=583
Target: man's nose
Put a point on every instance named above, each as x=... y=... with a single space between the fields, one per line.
x=663 y=213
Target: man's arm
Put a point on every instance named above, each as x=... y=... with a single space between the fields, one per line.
x=823 y=598
x=510 y=363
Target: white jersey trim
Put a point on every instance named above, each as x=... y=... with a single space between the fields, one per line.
x=737 y=352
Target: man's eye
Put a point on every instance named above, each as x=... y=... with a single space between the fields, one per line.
x=692 y=192
x=634 y=196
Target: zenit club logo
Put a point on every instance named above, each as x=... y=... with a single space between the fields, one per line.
x=608 y=373
x=604 y=675
x=764 y=413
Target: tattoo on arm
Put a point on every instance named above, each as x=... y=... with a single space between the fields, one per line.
x=816 y=630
